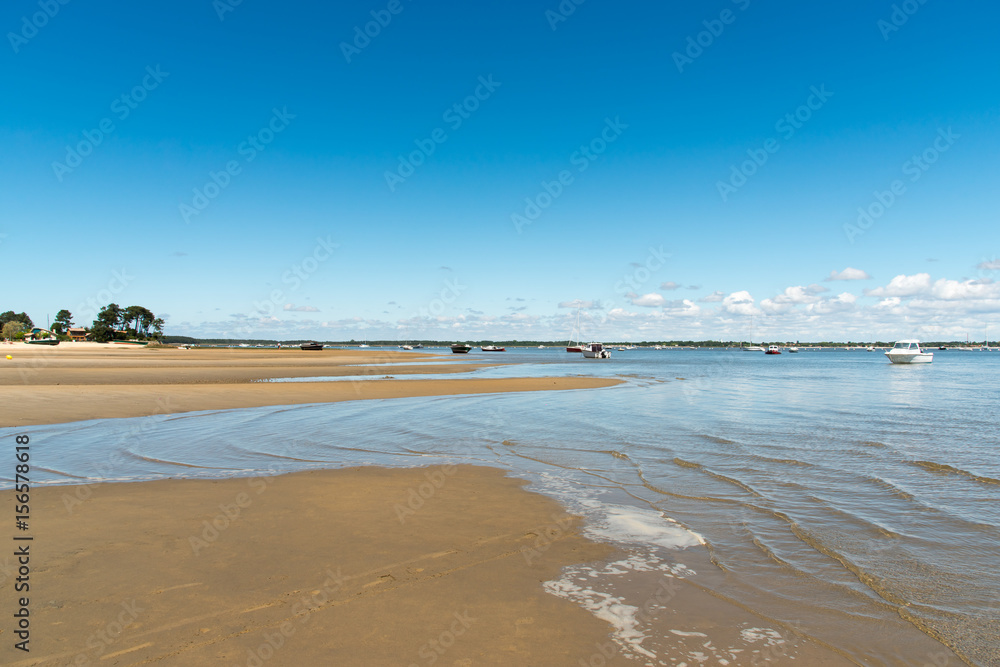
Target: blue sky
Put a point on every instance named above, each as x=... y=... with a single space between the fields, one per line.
x=486 y=170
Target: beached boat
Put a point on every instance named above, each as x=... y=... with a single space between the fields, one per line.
x=773 y=349
x=406 y=347
x=492 y=348
x=312 y=346
x=460 y=348
x=596 y=351
x=41 y=341
x=909 y=352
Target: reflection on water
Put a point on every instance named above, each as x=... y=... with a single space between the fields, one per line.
x=836 y=495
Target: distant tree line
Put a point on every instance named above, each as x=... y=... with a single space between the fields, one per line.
x=135 y=321
x=113 y=321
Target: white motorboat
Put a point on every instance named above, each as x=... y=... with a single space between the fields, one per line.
x=793 y=349
x=908 y=352
x=596 y=351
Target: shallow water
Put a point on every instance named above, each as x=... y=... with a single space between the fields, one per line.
x=835 y=495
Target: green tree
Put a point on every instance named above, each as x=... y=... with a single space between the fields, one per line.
x=110 y=315
x=146 y=319
x=11 y=316
x=130 y=319
x=63 y=321
x=158 y=328
x=102 y=332
x=11 y=329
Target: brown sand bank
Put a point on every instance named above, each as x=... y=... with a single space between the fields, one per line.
x=312 y=568
x=75 y=363
x=55 y=385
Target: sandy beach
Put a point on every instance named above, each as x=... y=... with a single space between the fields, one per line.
x=362 y=566
x=77 y=381
x=305 y=569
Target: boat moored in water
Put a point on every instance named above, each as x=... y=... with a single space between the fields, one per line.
x=596 y=351
x=908 y=352
x=492 y=348
x=773 y=349
x=461 y=348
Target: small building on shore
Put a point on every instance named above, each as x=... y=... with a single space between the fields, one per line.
x=77 y=334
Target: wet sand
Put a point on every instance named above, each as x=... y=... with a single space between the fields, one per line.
x=339 y=567
x=365 y=566
x=73 y=382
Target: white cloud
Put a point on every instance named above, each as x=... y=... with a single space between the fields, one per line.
x=739 y=303
x=685 y=307
x=943 y=289
x=903 y=286
x=842 y=302
x=989 y=265
x=848 y=274
x=579 y=303
x=669 y=285
x=714 y=297
x=799 y=294
x=953 y=290
x=300 y=309
x=651 y=300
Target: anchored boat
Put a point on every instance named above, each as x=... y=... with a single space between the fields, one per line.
x=909 y=352
x=596 y=351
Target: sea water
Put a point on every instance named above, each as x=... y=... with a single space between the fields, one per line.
x=834 y=495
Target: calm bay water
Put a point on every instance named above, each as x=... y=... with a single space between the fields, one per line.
x=835 y=495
